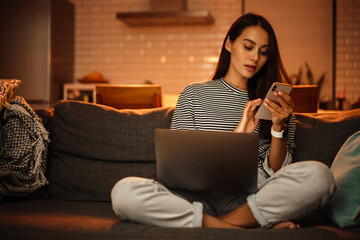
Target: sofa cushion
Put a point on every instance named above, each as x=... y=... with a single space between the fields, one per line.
x=344 y=209
x=320 y=136
x=7 y=89
x=104 y=133
x=57 y=220
x=93 y=146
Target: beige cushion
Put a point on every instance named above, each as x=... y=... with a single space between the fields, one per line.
x=7 y=89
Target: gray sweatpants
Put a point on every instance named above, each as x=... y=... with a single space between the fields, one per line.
x=291 y=193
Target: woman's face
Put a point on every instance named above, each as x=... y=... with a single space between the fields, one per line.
x=248 y=53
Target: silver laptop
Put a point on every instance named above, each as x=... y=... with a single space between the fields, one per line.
x=207 y=160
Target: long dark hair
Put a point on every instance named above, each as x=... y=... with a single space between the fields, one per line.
x=272 y=71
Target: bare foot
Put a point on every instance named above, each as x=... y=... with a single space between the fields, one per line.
x=286 y=225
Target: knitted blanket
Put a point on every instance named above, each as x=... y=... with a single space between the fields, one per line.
x=23 y=150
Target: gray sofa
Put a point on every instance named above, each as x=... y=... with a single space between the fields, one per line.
x=93 y=146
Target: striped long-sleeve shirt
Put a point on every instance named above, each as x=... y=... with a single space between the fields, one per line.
x=217 y=106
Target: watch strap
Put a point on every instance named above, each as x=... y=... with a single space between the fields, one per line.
x=277 y=134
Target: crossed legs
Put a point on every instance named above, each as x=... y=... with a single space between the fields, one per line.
x=290 y=193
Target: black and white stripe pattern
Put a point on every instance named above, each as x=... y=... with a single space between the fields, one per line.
x=217 y=106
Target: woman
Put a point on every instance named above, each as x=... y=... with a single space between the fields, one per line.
x=249 y=63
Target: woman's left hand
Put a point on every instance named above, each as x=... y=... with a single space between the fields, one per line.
x=280 y=112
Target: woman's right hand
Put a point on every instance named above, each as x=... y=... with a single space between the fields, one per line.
x=248 y=121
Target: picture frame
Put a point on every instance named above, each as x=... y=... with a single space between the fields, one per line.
x=80 y=92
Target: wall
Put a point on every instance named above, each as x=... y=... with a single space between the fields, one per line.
x=37 y=47
x=348 y=49
x=176 y=56
x=171 y=56
x=304 y=32
x=26 y=60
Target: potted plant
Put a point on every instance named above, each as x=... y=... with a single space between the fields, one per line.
x=298 y=79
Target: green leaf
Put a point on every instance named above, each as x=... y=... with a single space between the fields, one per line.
x=299 y=76
x=309 y=74
x=320 y=81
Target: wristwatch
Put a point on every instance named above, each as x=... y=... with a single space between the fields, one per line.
x=277 y=134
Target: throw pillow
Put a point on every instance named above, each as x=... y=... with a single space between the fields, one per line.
x=7 y=89
x=23 y=150
x=344 y=207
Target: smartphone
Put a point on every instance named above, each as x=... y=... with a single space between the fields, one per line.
x=263 y=112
